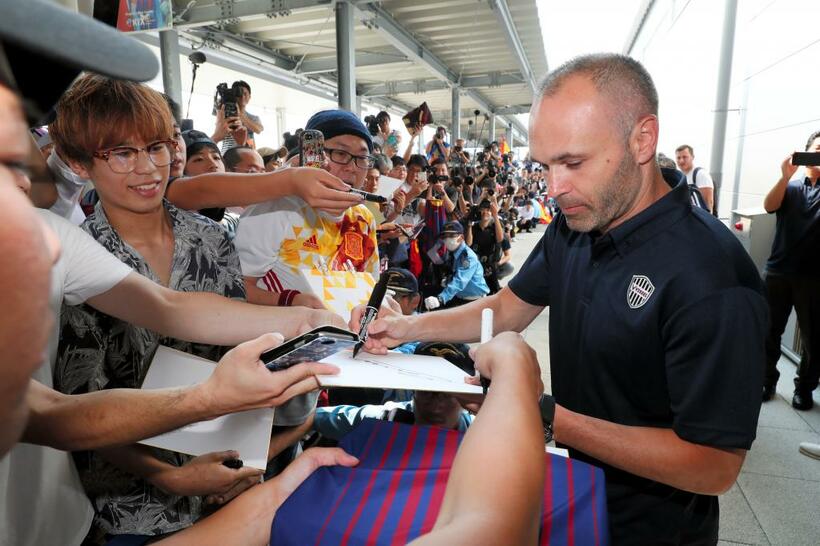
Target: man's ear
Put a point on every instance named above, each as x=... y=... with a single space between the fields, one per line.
x=79 y=169
x=415 y=300
x=644 y=139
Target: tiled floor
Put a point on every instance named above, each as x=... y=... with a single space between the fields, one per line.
x=776 y=499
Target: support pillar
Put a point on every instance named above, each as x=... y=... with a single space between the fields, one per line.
x=455 y=122
x=509 y=136
x=346 y=57
x=727 y=43
x=491 y=132
x=281 y=123
x=169 y=56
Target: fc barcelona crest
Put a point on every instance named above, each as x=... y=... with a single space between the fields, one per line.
x=639 y=291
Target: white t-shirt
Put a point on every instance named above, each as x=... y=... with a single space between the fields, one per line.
x=704 y=178
x=527 y=212
x=43 y=501
x=279 y=239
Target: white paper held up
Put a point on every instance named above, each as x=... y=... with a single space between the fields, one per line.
x=247 y=432
x=388 y=186
x=397 y=371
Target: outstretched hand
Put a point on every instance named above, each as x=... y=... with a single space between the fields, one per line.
x=242 y=382
x=320 y=189
x=390 y=329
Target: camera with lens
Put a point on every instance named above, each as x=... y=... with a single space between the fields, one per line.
x=228 y=98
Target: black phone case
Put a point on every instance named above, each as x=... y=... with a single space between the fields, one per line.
x=309 y=347
x=231 y=110
x=807 y=159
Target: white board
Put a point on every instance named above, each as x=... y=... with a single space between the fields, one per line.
x=247 y=432
x=396 y=371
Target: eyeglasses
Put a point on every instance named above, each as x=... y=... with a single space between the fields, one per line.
x=123 y=159
x=342 y=157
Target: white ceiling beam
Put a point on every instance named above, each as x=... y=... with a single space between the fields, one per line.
x=505 y=19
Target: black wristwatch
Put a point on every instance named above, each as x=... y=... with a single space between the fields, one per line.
x=547 y=405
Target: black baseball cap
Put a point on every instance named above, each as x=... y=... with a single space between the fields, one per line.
x=454 y=353
x=401 y=281
x=44 y=47
x=196 y=140
x=451 y=228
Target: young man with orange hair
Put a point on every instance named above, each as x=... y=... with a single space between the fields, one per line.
x=120 y=135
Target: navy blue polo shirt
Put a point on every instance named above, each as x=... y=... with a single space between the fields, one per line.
x=660 y=322
x=796 y=245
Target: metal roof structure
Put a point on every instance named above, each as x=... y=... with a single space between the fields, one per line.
x=406 y=51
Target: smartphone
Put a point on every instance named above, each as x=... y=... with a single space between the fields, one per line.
x=312 y=346
x=413 y=233
x=808 y=159
x=421 y=176
x=312 y=149
x=231 y=109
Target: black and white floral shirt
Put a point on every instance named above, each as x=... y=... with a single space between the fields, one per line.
x=98 y=352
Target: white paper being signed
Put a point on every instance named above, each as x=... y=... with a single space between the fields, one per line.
x=396 y=371
x=247 y=432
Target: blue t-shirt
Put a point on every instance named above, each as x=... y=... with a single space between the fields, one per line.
x=796 y=245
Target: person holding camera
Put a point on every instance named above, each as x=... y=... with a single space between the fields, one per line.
x=458 y=155
x=240 y=129
x=792 y=274
x=438 y=148
x=485 y=237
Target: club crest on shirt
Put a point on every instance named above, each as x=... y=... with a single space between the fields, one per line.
x=639 y=291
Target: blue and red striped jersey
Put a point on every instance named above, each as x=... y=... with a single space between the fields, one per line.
x=396 y=491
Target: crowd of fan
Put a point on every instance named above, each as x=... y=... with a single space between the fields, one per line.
x=245 y=223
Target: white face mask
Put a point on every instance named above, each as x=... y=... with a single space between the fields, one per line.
x=452 y=243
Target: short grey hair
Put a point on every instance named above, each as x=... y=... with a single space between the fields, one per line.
x=621 y=78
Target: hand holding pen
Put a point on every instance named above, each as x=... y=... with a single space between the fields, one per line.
x=371 y=311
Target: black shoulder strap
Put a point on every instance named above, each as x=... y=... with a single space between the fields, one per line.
x=695 y=176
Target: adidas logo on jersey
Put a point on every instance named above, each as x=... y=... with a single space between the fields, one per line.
x=311 y=242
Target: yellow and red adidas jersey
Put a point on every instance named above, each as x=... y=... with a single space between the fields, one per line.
x=278 y=239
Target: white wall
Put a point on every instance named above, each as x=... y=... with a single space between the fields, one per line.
x=776 y=61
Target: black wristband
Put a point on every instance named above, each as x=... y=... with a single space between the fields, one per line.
x=546 y=403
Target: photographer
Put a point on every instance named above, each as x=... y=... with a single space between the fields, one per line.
x=379 y=128
x=438 y=148
x=470 y=189
x=485 y=237
x=458 y=156
x=240 y=129
x=792 y=273
x=436 y=190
